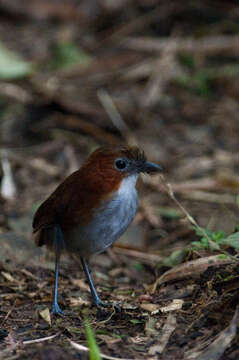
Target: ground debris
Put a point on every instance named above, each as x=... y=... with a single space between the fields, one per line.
x=160 y=74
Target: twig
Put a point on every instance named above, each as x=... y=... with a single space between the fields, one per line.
x=29 y=274
x=27 y=342
x=141 y=21
x=137 y=254
x=86 y=349
x=8 y=188
x=115 y=116
x=210 y=197
x=88 y=127
x=9 y=312
x=15 y=92
x=213 y=245
x=209 y=44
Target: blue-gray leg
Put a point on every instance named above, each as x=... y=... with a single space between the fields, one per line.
x=95 y=296
x=58 y=244
x=96 y=299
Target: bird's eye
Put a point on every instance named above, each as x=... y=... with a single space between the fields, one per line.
x=120 y=164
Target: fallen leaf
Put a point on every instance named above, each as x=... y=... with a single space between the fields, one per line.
x=150 y=328
x=109 y=339
x=176 y=304
x=12 y=66
x=80 y=283
x=145 y=297
x=165 y=334
x=139 y=339
x=79 y=301
x=149 y=307
x=128 y=306
x=215 y=350
x=45 y=314
x=189 y=268
x=8 y=276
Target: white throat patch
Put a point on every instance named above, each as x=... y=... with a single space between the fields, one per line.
x=127 y=187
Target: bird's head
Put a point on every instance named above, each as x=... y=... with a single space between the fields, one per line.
x=108 y=166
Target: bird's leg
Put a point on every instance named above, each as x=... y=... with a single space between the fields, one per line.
x=58 y=244
x=96 y=299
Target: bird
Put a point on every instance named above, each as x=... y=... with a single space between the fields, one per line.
x=91 y=208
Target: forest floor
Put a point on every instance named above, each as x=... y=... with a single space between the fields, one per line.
x=134 y=73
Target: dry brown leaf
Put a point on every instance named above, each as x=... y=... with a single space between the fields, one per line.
x=8 y=276
x=165 y=334
x=80 y=283
x=108 y=339
x=190 y=268
x=145 y=297
x=45 y=314
x=150 y=328
x=176 y=304
x=149 y=307
x=127 y=306
x=79 y=301
x=139 y=339
x=215 y=350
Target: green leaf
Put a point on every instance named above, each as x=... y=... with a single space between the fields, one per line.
x=223 y=257
x=94 y=352
x=187 y=60
x=209 y=240
x=136 y=321
x=68 y=55
x=197 y=245
x=218 y=236
x=201 y=232
x=214 y=246
x=177 y=257
x=204 y=242
x=12 y=66
x=237 y=200
x=232 y=240
x=169 y=213
x=138 y=266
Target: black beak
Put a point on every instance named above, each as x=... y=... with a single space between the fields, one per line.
x=151 y=168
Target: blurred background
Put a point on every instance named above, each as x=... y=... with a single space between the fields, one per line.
x=75 y=75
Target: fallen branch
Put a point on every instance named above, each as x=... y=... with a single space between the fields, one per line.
x=209 y=45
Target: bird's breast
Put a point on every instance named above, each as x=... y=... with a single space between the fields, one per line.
x=108 y=223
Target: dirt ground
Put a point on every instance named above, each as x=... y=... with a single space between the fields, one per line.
x=164 y=76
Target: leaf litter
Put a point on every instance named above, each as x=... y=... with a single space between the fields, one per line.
x=178 y=288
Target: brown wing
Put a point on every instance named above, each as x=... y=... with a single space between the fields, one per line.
x=75 y=200
x=50 y=212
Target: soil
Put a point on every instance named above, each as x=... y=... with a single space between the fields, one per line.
x=123 y=72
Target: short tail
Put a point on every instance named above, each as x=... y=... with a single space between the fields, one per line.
x=51 y=236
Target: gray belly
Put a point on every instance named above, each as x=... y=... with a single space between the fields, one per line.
x=107 y=225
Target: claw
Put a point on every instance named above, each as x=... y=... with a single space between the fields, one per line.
x=56 y=310
x=99 y=303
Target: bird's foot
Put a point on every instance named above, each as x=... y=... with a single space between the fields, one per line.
x=99 y=304
x=56 y=310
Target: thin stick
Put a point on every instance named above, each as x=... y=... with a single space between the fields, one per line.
x=27 y=342
x=115 y=116
x=86 y=349
x=8 y=313
x=213 y=245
